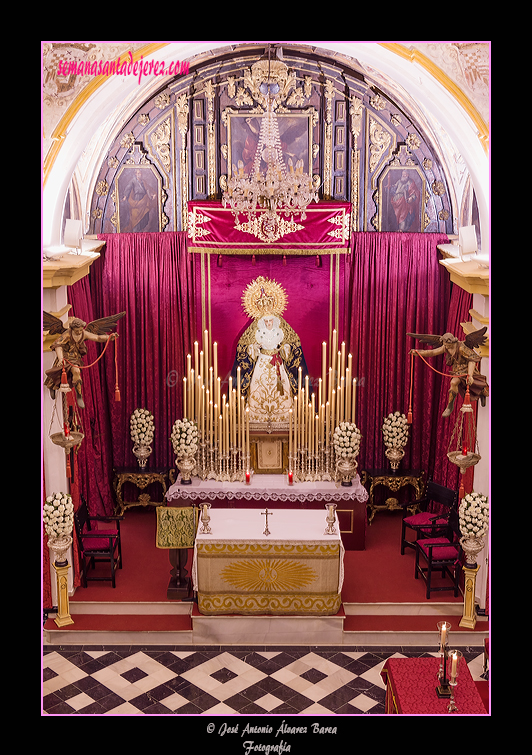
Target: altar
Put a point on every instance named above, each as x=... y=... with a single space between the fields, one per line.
x=273 y=490
x=296 y=570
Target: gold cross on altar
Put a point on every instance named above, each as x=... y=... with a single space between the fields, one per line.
x=267 y=514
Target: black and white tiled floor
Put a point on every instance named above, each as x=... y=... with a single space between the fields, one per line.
x=220 y=681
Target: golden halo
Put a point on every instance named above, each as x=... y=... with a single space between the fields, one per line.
x=264 y=297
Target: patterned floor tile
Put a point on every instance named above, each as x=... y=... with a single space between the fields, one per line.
x=219 y=682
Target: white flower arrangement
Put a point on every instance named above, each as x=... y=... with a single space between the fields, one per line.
x=473 y=515
x=395 y=430
x=141 y=427
x=346 y=440
x=184 y=437
x=58 y=515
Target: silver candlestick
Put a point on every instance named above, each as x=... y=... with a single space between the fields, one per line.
x=205 y=519
x=330 y=519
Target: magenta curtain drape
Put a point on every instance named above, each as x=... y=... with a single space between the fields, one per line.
x=396 y=286
x=392 y=284
x=150 y=278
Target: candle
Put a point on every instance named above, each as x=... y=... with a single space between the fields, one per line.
x=185 y=398
x=342 y=361
x=333 y=350
x=196 y=356
x=323 y=362
x=191 y=407
x=299 y=374
x=443 y=635
x=348 y=395
x=201 y=368
x=327 y=422
x=290 y=438
x=333 y=411
x=233 y=420
x=353 y=408
x=220 y=434
x=290 y=478
x=248 y=477
x=454 y=664
x=247 y=432
x=215 y=361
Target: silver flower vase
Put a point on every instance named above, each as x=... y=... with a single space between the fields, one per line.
x=186 y=465
x=142 y=453
x=394 y=456
x=346 y=468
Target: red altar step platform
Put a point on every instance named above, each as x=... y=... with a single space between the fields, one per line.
x=382 y=603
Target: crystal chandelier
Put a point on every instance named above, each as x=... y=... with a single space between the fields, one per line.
x=266 y=194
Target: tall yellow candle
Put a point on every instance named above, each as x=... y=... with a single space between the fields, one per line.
x=342 y=361
x=185 y=397
x=342 y=402
x=216 y=423
x=333 y=351
x=220 y=434
x=192 y=395
x=348 y=395
x=290 y=439
x=247 y=432
x=327 y=422
x=201 y=369
x=320 y=382
x=299 y=379
x=323 y=363
x=233 y=420
x=196 y=357
x=354 y=399
x=333 y=411
x=215 y=361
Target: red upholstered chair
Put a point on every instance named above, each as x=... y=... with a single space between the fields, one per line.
x=434 y=511
x=97 y=544
x=440 y=554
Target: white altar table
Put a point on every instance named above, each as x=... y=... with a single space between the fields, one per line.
x=269 y=489
x=295 y=570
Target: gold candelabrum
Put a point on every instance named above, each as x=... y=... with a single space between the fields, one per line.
x=223 y=422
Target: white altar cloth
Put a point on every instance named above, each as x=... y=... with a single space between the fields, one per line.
x=268 y=487
x=296 y=569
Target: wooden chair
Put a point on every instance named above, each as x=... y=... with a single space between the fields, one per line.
x=429 y=521
x=96 y=544
x=441 y=554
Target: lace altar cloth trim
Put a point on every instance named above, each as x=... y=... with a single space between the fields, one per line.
x=268 y=488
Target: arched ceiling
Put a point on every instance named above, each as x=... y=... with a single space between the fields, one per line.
x=443 y=86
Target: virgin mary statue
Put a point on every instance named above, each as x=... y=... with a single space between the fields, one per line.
x=269 y=355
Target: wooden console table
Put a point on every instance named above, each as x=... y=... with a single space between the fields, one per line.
x=385 y=477
x=140 y=479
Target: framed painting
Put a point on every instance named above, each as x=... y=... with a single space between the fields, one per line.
x=138 y=199
x=295 y=132
x=402 y=199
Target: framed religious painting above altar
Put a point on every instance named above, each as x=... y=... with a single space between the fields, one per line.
x=295 y=132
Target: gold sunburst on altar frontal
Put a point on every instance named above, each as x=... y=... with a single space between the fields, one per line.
x=265 y=575
x=264 y=296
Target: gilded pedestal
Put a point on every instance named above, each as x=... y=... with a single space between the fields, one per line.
x=469 y=618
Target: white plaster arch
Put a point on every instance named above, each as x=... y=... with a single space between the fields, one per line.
x=98 y=116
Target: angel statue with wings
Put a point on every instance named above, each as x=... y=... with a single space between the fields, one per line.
x=462 y=360
x=70 y=348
